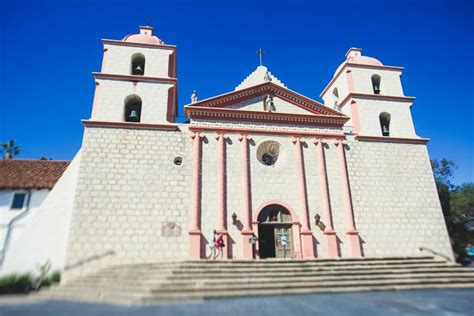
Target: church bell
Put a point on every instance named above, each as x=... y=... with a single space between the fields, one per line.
x=385 y=131
x=133 y=115
x=138 y=70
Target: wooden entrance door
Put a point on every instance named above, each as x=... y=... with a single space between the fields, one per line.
x=283 y=241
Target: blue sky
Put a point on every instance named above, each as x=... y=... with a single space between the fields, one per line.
x=49 y=49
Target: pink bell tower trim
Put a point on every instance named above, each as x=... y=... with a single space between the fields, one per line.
x=221 y=191
x=307 y=244
x=329 y=233
x=195 y=234
x=247 y=231
x=352 y=234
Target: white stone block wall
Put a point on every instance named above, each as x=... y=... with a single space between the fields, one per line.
x=390 y=81
x=401 y=122
x=109 y=101
x=396 y=205
x=118 y=60
x=128 y=188
x=342 y=88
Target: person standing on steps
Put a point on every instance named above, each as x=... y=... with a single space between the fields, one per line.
x=220 y=245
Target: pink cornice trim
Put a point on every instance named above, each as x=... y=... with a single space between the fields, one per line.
x=99 y=75
x=264 y=131
x=376 y=97
x=294 y=216
x=262 y=89
x=122 y=43
x=260 y=116
x=395 y=68
x=162 y=127
x=390 y=139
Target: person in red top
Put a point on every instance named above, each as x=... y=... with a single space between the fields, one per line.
x=220 y=244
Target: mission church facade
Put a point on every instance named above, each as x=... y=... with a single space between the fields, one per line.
x=348 y=177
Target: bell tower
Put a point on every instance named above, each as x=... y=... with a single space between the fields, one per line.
x=137 y=82
x=371 y=94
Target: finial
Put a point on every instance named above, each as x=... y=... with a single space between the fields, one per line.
x=194 y=97
x=260 y=53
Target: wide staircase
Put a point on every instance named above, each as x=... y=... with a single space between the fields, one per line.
x=151 y=283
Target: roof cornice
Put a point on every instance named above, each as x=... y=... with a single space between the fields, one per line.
x=389 y=139
x=130 y=125
x=122 y=43
x=100 y=75
x=247 y=131
x=219 y=114
x=353 y=95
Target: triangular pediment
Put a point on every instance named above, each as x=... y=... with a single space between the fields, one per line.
x=253 y=99
x=288 y=107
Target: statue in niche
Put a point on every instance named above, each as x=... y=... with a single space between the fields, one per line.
x=267 y=77
x=268 y=104
x=194 y=97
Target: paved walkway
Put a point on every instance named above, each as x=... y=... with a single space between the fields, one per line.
x=419 y=302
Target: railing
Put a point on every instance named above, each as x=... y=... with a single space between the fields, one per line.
x=436 y=253
x=89 y=259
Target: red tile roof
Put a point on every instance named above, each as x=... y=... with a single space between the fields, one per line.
x=30 y=174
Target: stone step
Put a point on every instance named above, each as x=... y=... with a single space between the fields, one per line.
x=97 y=279
x=157 y=296
x=156 y=272
x=128 y=299
x=193 y=283
x=270 y=263
x=245 y=282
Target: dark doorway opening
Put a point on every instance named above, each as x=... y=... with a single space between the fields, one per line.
x=266 y=237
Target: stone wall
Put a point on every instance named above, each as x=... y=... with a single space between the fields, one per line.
x=128 y=189
x=396 y=205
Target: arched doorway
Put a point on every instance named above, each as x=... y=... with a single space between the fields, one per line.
x=275 y=235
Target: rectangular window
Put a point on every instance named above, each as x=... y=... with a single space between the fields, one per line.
x=18 y=201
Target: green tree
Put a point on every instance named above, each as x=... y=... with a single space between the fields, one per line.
x=10 y=149
x=457 y=203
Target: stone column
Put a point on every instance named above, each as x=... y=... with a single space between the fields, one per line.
x=221 y=192
x=352 y=233
x=247 y=231
x=329 y=233
x=307 y=244
x=195 y=234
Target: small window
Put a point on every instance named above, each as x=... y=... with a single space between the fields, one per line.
x=133 y=108
x=384 y=118
x=268 y=152
x=138 y=64
x=376 y=84
x=178 y=161
x=18 y=201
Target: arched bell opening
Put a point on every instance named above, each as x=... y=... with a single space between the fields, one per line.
x=133 y=108
x=275 y=232
x=384 y=118
x=138 y=64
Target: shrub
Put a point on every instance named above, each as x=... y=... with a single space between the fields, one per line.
x=15 y=283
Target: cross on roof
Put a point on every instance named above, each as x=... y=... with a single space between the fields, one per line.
x=260 y=53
